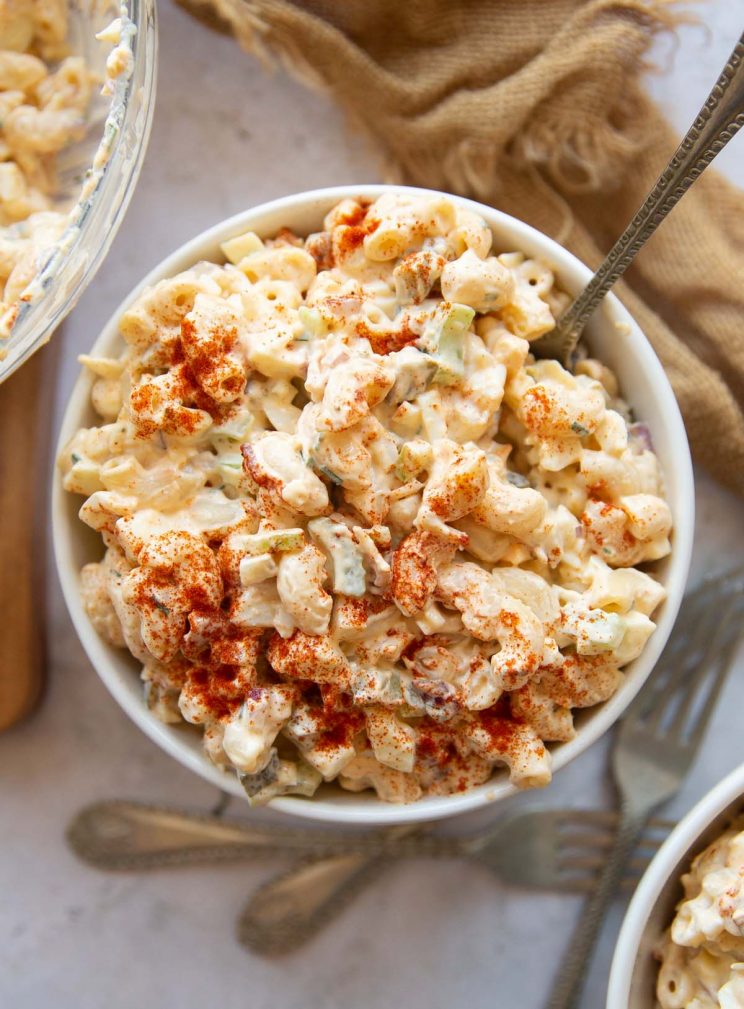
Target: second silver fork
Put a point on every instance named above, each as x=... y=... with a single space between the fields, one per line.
x=657 y=742
x=554 y=849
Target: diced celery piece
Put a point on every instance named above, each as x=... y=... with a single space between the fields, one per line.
x=230 y=468
x=415 y=371
x=313 y=322
x=349 y=577
x=272 y=540
x=412 y=458
x=444 y=339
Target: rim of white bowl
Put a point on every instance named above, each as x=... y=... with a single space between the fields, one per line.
x=363 y=808
x=682 y=844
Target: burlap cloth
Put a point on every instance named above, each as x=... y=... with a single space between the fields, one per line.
x=536 y=107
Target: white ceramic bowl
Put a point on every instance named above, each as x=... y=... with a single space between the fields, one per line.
x=616 y=339
x=634 y=970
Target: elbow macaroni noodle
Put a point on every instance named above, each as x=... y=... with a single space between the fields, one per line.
x=353 y=529
x=702 y=954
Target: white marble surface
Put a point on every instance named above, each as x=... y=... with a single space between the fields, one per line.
x=427 y=934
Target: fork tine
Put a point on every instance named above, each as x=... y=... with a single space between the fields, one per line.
x=578 y=884
x=589 y=863
x=638 y=865
x=647 y=848
x=574 y=860
x=698 y=604
x=590 y=817
x=720 y=664
x=701 y=676
x=676 y=665
x=693 y=668
x=664 y=675
x=593 y=863
x=659 y=823
x=584 y=839
x=713 y=585
x=595 y=828
x=604 y=818
x=631 y=879
x=580 y=875
x=585 y=880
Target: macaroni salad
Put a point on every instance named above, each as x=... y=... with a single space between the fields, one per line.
x=44 y=98
x=702 y=955
x=353 y=529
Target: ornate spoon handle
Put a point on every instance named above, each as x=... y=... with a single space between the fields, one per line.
x=123 y=835
x=718 y=121
x=288 y=911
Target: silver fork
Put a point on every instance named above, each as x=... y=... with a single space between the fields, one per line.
x=720 y=118
x=315 y=891
x=559 y=850
x=552 y=849
x=658 y=740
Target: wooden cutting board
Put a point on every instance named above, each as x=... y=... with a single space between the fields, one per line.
x=26 y=400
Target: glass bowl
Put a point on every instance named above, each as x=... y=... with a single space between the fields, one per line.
x=117 y=130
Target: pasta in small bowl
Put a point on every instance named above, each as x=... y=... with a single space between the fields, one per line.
x=681 y=945
x=77 y=89
x=371 y=560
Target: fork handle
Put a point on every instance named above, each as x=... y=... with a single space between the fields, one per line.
x=288 y=911
x=123 y=835
x=569 y=984
x=118 y=834
x=720 y=118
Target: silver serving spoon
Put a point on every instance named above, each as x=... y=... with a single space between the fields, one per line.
x=720 y=118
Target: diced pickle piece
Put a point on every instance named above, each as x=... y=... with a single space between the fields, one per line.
x=280 y=777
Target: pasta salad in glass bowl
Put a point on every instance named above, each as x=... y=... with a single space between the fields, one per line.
x=349 y=528
x=77 y=88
